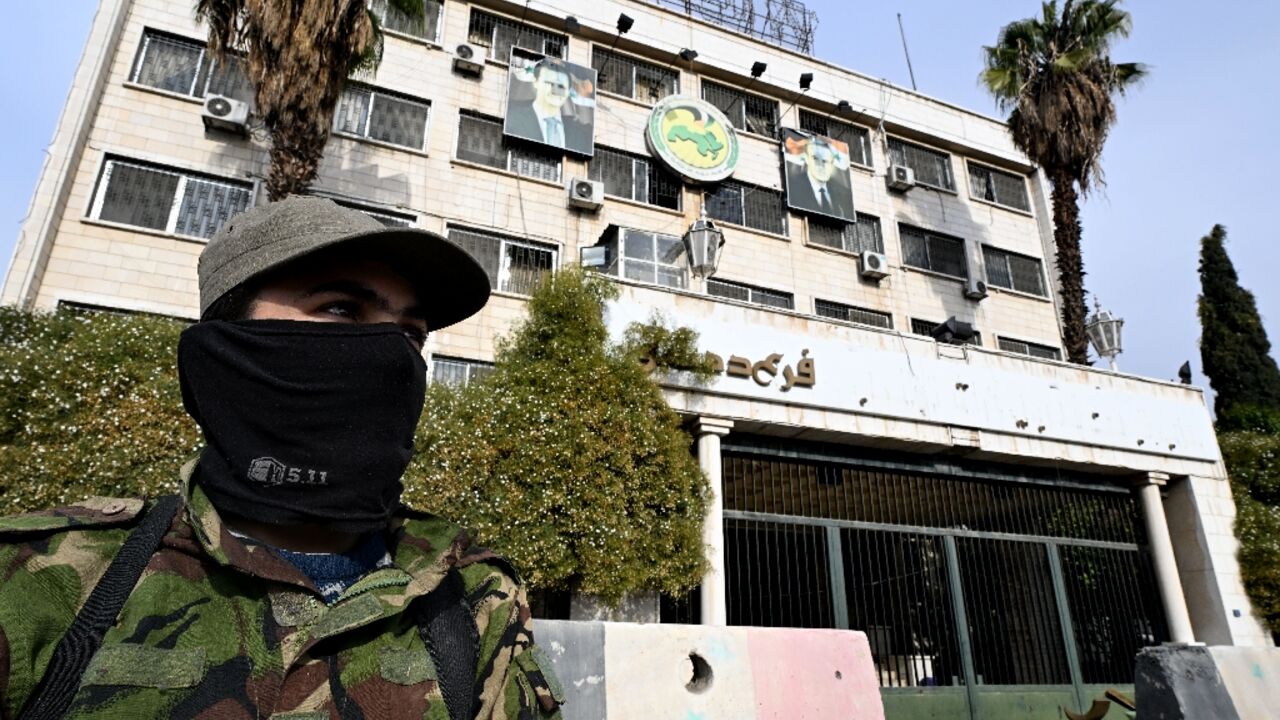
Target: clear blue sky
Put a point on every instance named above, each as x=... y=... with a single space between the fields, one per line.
x=1195 y=145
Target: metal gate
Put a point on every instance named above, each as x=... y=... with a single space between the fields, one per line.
x=983 y=593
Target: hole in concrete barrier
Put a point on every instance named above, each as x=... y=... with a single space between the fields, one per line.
x=702 y=675
x=839 y=675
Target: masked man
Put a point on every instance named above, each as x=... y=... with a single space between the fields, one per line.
x=549 y=118
x=286 y=580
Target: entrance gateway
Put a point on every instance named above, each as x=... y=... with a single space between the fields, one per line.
x=985 y=591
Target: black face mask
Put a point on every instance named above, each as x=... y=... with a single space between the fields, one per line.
x=306 y=422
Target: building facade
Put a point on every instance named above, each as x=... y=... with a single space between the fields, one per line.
x=1006 y=528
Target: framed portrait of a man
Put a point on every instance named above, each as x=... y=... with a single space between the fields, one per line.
x=553 y=103
x=817 y=175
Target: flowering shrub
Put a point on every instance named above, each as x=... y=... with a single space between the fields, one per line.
x=1253 y=463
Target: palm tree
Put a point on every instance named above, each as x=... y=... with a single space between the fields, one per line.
x=299 y=54
x=1055 y=73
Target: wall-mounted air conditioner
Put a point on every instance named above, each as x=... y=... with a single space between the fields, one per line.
x=874 y=265
x=469 y=59
x=901 y=178
x=224 y=113
x=586 y=194
x=975 y=289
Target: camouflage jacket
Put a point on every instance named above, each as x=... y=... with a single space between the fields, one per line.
x=220 y=628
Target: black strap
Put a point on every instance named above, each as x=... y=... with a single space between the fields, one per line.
x=449 y=631
x=53 y=695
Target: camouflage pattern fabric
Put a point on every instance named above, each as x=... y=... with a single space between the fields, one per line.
x=217 y=628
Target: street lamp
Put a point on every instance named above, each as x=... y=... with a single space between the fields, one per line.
x=1103 y=330
x=702 y=243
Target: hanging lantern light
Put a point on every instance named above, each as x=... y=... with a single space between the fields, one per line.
x=702 y=244
x=1103 y=330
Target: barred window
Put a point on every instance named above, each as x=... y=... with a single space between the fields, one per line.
x=749 y=205
x=184 y=66
x=394 y=20
x=457 y=372
x=629 y=77
x=861 y=236
x=635 y=178
x=925 y=328
x=931 y=251
x=999 y=187
x=862 y=316
x=750 y=293
x=512 y=265
x=480 y=140
x=159 y=198
x=647 y=257
x=500 y=34
x=857 y=138
x=386 y=217
x=379 y=115
x=751 y=113
x=1013 y=272
x=1045 y=352
x=931 y=167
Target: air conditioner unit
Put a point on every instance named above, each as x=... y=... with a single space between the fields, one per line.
x=901 y=178
x=469 y=59
x=874 y=265
x=975 y=290
x=224 y=113
x=586 y=194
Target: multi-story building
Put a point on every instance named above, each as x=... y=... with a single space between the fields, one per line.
x=1006 y=528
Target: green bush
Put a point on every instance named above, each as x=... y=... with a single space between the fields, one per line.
x=1253 y=463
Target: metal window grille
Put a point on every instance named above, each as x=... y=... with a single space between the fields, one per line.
x=747 y=112
x=931 y=167
x=501 y=34
x=931 y=251
x=653 y=258
x=925 y=328
x=229 y=79
x=457 y=372
x=863 y=316
x=181 y=65
x=857 y=138
x=1014 y=272
x=515 y=266
x=998 y=187
x=386 y=218
x=750 y=293
x=635 y=178
x=1028 y=348
x=633 y=78
x=381 y=116
x=748 y=205
x=860 y=236
x=393 y=19
x=158 y=198
x=480 y=140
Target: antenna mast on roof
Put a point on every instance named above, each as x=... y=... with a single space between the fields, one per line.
x=906 y=52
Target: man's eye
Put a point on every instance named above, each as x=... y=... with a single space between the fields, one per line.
x=417 y=336
x=345 y=310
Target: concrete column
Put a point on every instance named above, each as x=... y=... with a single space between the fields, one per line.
x=708 y=431
x=1166 y=565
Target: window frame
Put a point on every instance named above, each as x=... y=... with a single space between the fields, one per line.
x=500 y=19
x=472 y=369
x=373 y=210
x=951 y=173
x=499 y=282
x=652 y=168
x=744 y=188
x=1043 y=294
x=205 y=67
x=811 y=221
x=507 y=146
x=777 y=107
x=93 y=211
x=1026 y=195
x=374 y=92
x=1001 y=341
x=437 y=41
x=931 y=234
x=864 y=135
x=618 y=267
x=752 y=290
x=637 y=63
x=849 y=310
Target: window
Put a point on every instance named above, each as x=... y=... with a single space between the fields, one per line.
x=931 y=251
x=635 y=178
x=176 y=64
x=751 y=113
x=861 y=236
x=857 y=138
x=628 y=77
x=1013 y=272
x=379 y=115
x=500 y=34
x=1045 y=352
x=925 y=328
x=931 y=167
x=158 y=198
x=426 y=27
x=754 y=207
x=862 y=316
x=750 y=293
x=457 y=371
x=998 y=187
x=648 y=257
x=514 y=266
x=480 y=140
x=390 y=219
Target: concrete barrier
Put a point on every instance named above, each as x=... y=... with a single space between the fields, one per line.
x=626 y=671
x=1180 y=682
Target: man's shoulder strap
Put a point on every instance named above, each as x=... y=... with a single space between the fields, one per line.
x=53 y=695
x=448 y=629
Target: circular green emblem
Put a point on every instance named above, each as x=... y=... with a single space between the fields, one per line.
x=693 y=138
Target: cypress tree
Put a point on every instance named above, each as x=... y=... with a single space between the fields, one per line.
x=1234 y=349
